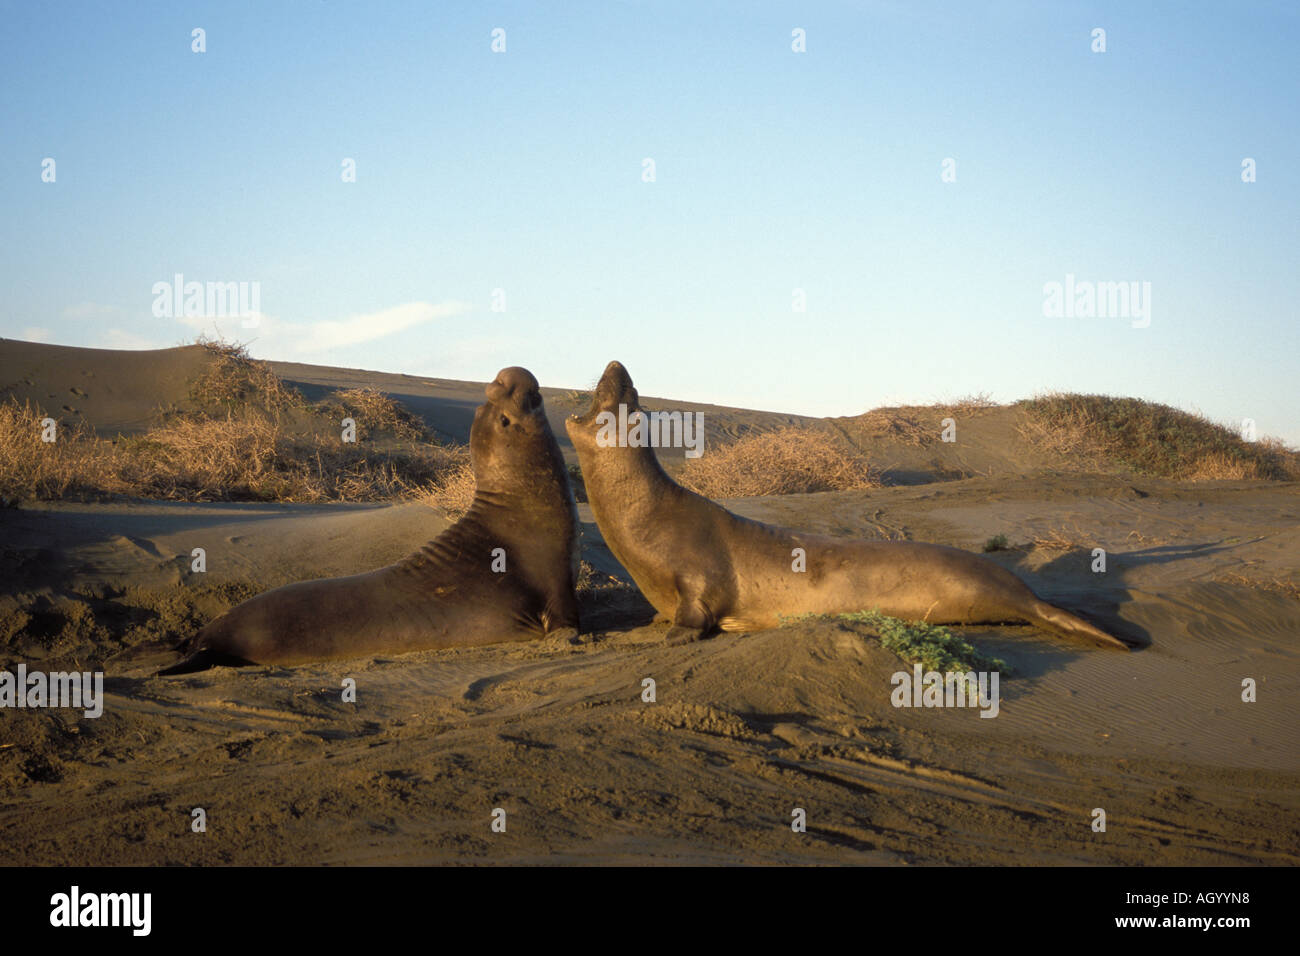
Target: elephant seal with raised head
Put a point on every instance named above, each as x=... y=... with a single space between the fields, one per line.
x=706 y=569
x=506 y=571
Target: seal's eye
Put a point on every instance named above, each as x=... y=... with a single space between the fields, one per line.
x=505 y=422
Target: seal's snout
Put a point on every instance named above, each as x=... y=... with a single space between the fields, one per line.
x=613 y=389
x=615 y=386
x=515 y=386
x=616 y=375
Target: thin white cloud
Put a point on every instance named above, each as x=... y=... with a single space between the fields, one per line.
x=274 y=336
x=356 y=329
x=36 y=334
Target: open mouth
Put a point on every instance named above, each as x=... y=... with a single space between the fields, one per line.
x=615 y=386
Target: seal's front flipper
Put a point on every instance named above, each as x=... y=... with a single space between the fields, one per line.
x=692 y=622
x=685 y=635
x=203 y=660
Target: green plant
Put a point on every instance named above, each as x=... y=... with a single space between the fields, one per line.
x=932 y=646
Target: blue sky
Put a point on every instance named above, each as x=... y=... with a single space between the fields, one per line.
x=774 y=171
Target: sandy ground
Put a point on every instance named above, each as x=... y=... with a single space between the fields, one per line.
x=745 y=728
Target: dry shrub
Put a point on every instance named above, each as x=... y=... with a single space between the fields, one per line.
x=235 y=448
x=1059 y=539
x=194 y=458
x=898 y=425
x=235 y=379
x=453 y=492
x=1216 y=466
x=895 y=424
x=373 y=411
x=1066 y=428
x=31 y=468
x=792 y=460
x=915 y=425
x=968 y=404
x=1151 y=439
x=1279 y=458
x=235 y=383
x=249 y=458
x=203 y=459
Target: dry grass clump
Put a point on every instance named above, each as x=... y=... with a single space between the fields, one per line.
x=1063 y=427
x=374 y=412
x=236 y=380
x=895 y=424
x=968 y=404
x=1152 y=439
x=1283 y=457
x=1059 y=539
x=244 y=457
x=31 y=468
x=1055 y=539
x=1218 y=466
x=235 y=383
x=201 y=459
x=915 y=425
x=238 y=446
x=791 y=460
x=453 y=491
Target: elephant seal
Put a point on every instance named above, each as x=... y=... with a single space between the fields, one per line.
x=456 y=590
x=706 y=569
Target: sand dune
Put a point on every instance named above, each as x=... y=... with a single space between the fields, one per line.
x=142 y=383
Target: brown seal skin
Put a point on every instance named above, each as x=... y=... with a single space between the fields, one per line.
x=446 y=594
x=706 y=569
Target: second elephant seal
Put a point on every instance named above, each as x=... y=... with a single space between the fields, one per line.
x=708 y=569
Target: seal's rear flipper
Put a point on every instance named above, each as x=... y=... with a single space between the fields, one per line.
x=1066 y=624
x=204 y=659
